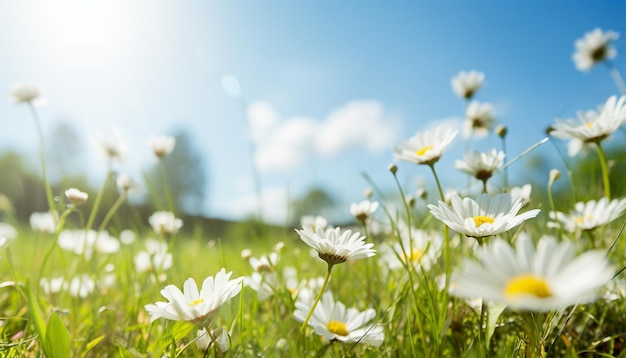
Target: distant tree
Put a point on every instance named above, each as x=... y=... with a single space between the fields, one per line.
x=316 y=201
x=65 y=147
x=186 y=177
x=21 y=185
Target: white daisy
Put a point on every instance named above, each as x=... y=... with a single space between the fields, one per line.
x=479 y=119
x=589 y=215
x=419 y=249
x=165 y=223
x=542 y=279
x=522 y=191
x=333 y=321
x=425 y=147
x=363 y=210
x=52 y=285
x=26 y=93
x=481 y=165
x=313 y=222
x=592 y=126
x=112 y=147
x=81 y=286
x=264 y=284
x=162 y=145
x=155 y=258
x=75 y=196
x=486 y=216
x=43 y=222
x=85 y=243
x=219 y=336
x=594 y=48
x=465 y=84
x=334 y=246
x=126 y=184
x=195 y=306
x=8 y=231
x=264 y=263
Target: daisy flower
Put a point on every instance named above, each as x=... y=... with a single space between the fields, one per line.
x=26 y=93
x=594 y=48
x=313 y=222
x=480 y=119
x=162 y=145
x=195 y=306
x=154 y=258
x=165 y=223
x=75 y=196
x=83 y=242
x=420 y=248
x=264 y=263
x=481 y=165
x=523 y=191
x=485 y=216
x=333 y=321
x=544 y=278
x=592 y=126
x=81 y=286
x=220 y=336
x=43 y=222
x=7 y=231
x=112 y=147
x=425 y=147
x=465 y=84
x=334 y=246
x=363 y=210
x=589 y=215
x=126 y=184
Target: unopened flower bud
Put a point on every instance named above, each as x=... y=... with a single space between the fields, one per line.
x=246 y=254
x=501 y=131
x=393 y=168
x=75 y=196
x=368 y=193
x=554 y=175
x=410 y=200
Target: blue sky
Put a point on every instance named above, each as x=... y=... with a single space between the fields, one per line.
x=308 y=72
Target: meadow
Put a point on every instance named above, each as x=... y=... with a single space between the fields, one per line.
x=482 y=269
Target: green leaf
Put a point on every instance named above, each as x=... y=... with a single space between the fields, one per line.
x=91 y=345
x=494 y=310
x=57 y=339
x=36 y=315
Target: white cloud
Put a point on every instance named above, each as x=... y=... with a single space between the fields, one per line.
x=262 y=120
x=287 y=144
x=275 y=201
x=358 y=124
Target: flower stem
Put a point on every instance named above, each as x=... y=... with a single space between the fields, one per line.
x=56 y=238
x=96 y=204
x=553 y=207
x=317 y=299
x=42 y=154
x=166 y=187
x=617 y=77
x=605 y=172
x=112 y=211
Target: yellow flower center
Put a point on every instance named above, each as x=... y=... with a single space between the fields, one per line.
x=424 y=150
x=479 y=220
x=196 y=302
x=338 y=328
x=528 y=284
x=581 y=219
x=415 y=256
x=589 y=124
